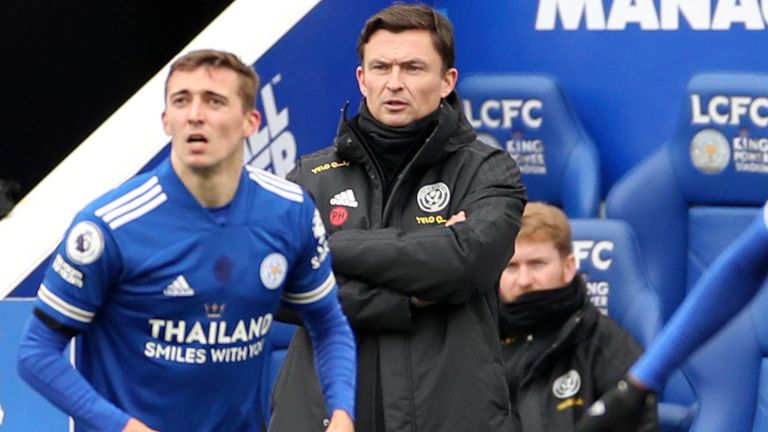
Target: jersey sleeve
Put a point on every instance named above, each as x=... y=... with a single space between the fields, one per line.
x=723 y=290
x=81 y=270
x=42 y=365
x=311 y=278
x=312 y=291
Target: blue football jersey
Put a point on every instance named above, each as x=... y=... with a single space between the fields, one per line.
x=174 y=307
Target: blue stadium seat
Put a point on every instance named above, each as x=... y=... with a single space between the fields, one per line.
x=276 y=346
x=729 y=374
x=699 y=189
x=607 y=256
x=690 y=199
x=529 y=116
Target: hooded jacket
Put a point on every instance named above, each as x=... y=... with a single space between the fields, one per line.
x=572 y=365
x=439 y=365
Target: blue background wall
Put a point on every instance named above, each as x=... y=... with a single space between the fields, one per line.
x=626 y=85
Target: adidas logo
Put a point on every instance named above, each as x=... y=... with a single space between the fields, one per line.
x=179 y=288
x=345 y=198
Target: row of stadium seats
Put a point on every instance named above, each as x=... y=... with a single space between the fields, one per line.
x=685 y=204
x=664 y=223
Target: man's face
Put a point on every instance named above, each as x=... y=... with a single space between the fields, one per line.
x=536 y=265
x=205 y=118
x=402 y=76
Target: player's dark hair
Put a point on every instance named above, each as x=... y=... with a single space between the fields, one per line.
x=401 y=17
x=249 y=80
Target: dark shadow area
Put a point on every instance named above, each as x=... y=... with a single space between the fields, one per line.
x=67 y=66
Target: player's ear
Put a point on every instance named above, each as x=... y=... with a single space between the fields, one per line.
x=449 y=82
x=360 y=74
x=569 y=267
x=164 y=119
x=251 y=123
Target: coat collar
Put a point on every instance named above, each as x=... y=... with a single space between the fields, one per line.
x=452 y=132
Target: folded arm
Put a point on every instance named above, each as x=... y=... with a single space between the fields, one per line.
x=445 y=263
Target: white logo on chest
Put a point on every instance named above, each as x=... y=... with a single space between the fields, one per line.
x=345 y=198
x=567 y=385
x=179 y=288
x=433 y=198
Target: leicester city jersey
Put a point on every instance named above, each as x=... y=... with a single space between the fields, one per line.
x=173 y=306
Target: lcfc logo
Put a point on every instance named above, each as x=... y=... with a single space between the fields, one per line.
x=273 y=269
x=710 y=152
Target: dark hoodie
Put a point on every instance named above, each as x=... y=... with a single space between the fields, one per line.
x=439 y=367
x=561 y=354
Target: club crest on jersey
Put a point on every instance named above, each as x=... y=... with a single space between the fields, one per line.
x=85 y=243
x=567 y=385
x=273 y=269
x=433 y=198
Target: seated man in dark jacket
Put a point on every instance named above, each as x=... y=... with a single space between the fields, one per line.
x=560 y=352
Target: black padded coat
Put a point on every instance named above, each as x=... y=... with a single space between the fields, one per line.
x=439 y=366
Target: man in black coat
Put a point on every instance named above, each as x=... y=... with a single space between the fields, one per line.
x=560 y=353
x=421 y=217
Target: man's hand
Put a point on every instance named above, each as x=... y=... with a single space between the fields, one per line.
x=135 y=425
x=340 y=422
x=420 y=303
x=458 y=217
x=619 y=409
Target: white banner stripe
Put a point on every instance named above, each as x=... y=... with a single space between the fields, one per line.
x=127 y=197
x=139 y=212
x=63 y=307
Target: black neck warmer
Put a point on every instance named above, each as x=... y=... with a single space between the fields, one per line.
x=538 y=312
x=392 y=145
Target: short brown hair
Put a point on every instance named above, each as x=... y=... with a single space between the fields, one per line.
x=401 y=17
x=544 y=222
x=249 y=80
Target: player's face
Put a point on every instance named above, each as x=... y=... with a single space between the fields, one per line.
x=402 y=76
x=536 y=265
x=205 y=118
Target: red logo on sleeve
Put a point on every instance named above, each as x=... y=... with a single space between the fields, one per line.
x=339 y=215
